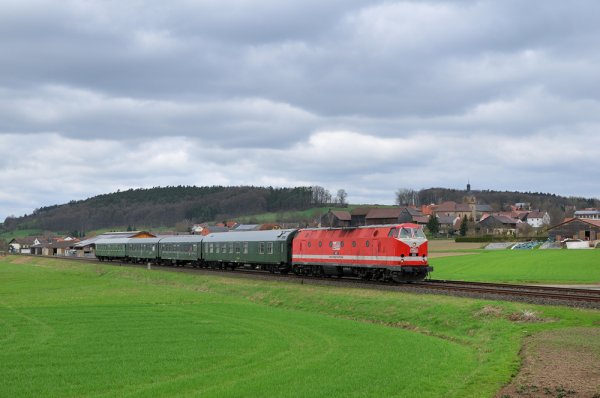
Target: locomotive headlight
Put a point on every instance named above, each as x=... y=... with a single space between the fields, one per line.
x=424 y=259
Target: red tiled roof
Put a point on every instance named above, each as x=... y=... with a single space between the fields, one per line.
x=342 y=215
x=384 y=213
x=446 y=206
x=360 y=211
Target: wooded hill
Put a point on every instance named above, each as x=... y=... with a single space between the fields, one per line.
x=156 y=207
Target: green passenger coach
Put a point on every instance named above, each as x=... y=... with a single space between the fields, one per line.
x=115 y=249
x=140 y=250
x=268 y=250
x=181 y=250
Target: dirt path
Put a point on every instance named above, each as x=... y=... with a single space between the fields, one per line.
x=563 y=363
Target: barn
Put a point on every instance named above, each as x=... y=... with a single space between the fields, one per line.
x=576 y=228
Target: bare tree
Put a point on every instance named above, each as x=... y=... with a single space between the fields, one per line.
x=407 y=197
x=320 y=195
x=341 y=197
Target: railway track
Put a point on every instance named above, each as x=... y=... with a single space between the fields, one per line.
x=534 y=294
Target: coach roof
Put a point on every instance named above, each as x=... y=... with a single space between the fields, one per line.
x=113 y=241
x=182 y=239
x=250 y=236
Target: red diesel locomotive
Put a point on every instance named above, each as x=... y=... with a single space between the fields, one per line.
x=383 y=252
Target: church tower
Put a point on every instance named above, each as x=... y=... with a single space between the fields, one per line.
x=471 y=200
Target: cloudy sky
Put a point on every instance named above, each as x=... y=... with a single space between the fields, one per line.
x=367 y=96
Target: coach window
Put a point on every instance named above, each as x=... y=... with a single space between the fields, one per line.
x=269 y=247
x=245 y=247
x=230 y=247
x=211 y=248
x=224 y=248
x=237 y=247
x=261 y=248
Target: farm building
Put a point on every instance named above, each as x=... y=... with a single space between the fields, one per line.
x=498 y=225
x=576 y=228
x=87 y=247
x=55 y=248
x=336 y=218
x=410 y=214
x=358 y=216
x=590 y=214
x=383 y=216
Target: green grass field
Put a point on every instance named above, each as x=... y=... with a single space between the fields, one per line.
x=522 y=266
x=73 y=329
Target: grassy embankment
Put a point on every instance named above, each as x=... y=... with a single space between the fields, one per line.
x=72 y=329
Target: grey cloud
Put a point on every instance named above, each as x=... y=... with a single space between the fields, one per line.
x=258 y=89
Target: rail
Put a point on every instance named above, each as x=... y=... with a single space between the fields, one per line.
x=535 y=294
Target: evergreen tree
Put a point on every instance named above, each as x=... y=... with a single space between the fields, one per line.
x=433 y=225
x=464 y=226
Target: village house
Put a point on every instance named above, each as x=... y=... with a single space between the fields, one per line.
x=23 y=245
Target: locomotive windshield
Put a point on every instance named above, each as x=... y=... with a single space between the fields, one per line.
x=411 y=233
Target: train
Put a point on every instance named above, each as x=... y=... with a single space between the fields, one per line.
x=395 y=252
